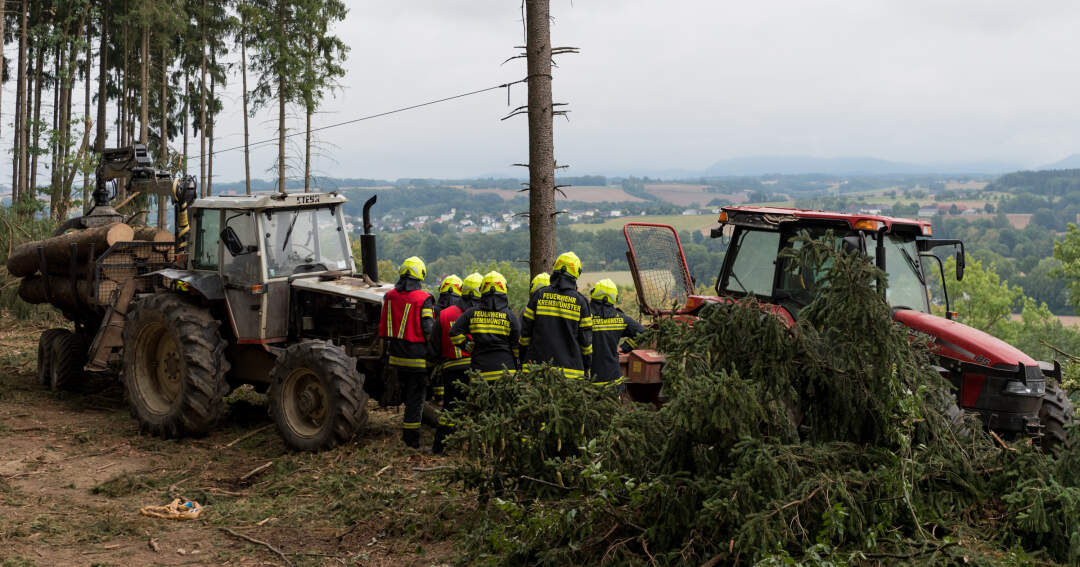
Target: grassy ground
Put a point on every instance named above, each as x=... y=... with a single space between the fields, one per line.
x=75 y=471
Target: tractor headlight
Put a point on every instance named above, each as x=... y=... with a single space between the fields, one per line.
x=1033 y=388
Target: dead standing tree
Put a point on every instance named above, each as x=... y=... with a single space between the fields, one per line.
x=541 y=112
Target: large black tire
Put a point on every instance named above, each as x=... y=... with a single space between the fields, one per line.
x=68 y=359
x=45 y=355
x=317 y=397
x=1055 y=413
x=174 y=367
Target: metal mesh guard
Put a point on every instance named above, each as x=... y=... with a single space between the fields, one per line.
x=661 y=268
x=126 y=260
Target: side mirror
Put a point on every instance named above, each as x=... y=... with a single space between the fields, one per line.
x=853 y=244
x=960 y=261
x=232 y=242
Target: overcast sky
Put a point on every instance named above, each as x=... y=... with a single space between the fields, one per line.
x=681 y=84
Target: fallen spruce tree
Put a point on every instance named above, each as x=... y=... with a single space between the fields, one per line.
x=831 y=443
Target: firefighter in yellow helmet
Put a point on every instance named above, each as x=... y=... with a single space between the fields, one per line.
x=610 y=326
x=557 y=324
x=493 y=328
x=407 y=321
x=449 y=296
x=470 y=290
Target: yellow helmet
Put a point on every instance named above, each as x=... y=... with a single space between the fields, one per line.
x=471 y=285
x=542 y=279
x=451 y=284
x=605 y=291
x=413 y=266
x=570 y=262
x=493 y=282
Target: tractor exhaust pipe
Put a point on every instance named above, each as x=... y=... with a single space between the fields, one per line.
x=368 y=255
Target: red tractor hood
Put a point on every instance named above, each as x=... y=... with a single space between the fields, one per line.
x=958 y=341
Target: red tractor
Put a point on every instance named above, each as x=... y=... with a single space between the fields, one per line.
x=1011 y=392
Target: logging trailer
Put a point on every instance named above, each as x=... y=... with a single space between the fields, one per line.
x=1010 y=391
x=259 y=289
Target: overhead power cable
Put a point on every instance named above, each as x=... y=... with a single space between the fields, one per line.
x=363 y=118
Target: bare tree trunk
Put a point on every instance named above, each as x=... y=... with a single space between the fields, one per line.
x=308 y=110
x=39 y=68
x=103 y=79
x=55 y=142
x=164 y=157
x=210 y=128
x=202 y=106
x=243 y=74
x=281 y=99
x=187 y=117
x=3 y=16
x=86 y=108
x=144 y=109
x=541 y=143
x=19 y=185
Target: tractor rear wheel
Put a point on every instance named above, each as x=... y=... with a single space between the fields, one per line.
x=68 y=359
x=45 y=355
x=317 y=396
x=1056 y=412
x=174 y=367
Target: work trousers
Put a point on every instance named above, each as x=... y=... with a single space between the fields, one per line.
x=412 y=390
x=454 y=393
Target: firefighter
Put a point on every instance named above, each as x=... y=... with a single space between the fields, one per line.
x=407 y=321
x=449 y=296
x=453 y=366
x=449 y=293
x=557 y=324
x=470 y=290
x=540 y=281
x=610 y=326
x=493 y=328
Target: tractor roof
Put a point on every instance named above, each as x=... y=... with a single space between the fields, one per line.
x=773 y=216
x=269 y=200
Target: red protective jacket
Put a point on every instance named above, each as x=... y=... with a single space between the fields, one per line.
x=401 y=315
x=451 y=355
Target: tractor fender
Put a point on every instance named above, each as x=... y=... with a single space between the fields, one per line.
x=204 y=284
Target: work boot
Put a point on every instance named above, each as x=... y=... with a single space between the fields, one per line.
x=411 y=437
x=437 y=447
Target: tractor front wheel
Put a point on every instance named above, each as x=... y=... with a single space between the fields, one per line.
x=1056 y=413
x=317 y=397
x=174 y=367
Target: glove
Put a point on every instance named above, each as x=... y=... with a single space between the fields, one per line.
x=468 y=346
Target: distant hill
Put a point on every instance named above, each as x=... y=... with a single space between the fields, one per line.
x=1051 y=182
x=791 y=165
x=1071 y=162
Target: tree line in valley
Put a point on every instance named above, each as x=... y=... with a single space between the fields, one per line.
x=153 y=72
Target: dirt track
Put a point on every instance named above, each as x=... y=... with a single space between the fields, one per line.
x=74 y=472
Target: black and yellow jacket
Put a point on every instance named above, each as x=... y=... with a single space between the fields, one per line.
x=495 y=332
x=557 y=327
x=610 y=326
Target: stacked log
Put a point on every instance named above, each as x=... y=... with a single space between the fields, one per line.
x=73 y=290
x=25 y=259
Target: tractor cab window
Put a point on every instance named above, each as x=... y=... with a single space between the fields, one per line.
x=207 y=245
x=243 y=266
x=299 y=241
x=754 y=267
x=907 y=287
